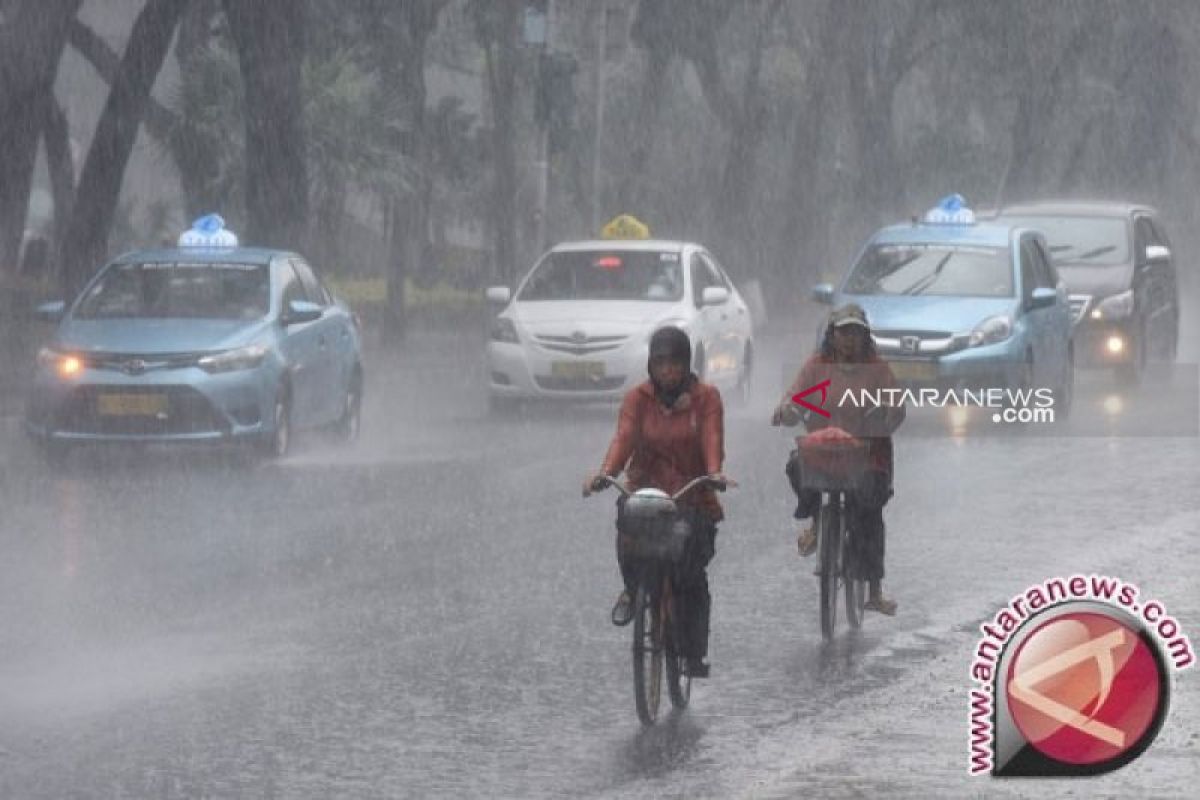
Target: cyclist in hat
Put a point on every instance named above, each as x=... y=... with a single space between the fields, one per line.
x=847 y=359
x=670 y=430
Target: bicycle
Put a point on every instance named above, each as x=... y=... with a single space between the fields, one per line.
x=658 y=540
x=836 y=568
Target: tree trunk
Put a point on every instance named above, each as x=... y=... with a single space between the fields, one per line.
x=269 y=37
x=61 y=166
x=31 y=44
x=86 y=241
x=501 y=58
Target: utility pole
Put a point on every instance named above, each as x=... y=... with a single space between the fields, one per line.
x=543 y=162
x=598 y=94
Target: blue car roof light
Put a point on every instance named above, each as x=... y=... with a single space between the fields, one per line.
x=208 y=231
x=950 y=210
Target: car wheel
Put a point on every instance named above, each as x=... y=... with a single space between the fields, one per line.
x=279 y=441
x=741 y=392
x=349 y=424
x=1066 y=393
x=501 y=406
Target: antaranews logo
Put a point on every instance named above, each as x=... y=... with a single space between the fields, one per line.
x=1072 y=679
x=1004 y=405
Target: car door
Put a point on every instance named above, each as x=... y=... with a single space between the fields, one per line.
x=736 y=318
x=326 y=400
x=707 y=318
x=1038 y=322
x=1152 y=282
x=1059 y=331
x=299 y=343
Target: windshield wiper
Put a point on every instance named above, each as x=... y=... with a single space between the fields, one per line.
x=1099 y=251
x=924 y=283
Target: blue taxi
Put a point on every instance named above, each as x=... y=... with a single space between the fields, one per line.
x=954 y=303
x=204 y=342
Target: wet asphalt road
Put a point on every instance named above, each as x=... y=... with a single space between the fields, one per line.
x=425 y=614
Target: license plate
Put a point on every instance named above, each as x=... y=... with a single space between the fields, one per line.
x=577 y=369
x=131 y=405
x=913 y=370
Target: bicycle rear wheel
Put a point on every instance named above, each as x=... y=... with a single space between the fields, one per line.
x=830 y=545
x=679 y=683
x=647 y=655
x=856 y=589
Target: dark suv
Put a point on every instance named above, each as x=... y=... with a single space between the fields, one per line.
x=1117 y=264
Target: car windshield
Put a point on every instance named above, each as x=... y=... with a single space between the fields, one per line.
x=932 y=269
x=1100 y=241
x=607 y=275
x=170 y=290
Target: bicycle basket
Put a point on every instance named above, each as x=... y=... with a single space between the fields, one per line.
x=832 y=460
x=652 y=529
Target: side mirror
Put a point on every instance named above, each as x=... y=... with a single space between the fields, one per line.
x=1042 y=297
x=823 y=293
x=500 y=295
x=714 y=296
x=300 y=311
x=1157 y=252
x=50 y=312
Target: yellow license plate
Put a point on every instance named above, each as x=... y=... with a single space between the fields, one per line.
x=131 y=405
x=577 y=369
x=913 y=370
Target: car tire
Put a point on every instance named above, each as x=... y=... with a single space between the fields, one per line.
x=740 y=398
x=278 y=442
x=501 y=406
x=350 y=422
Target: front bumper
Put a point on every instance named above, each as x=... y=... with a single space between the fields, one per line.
x=191 y=406
x=997 y=365
x=528 y=371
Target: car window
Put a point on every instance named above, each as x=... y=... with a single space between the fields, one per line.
x=932 y=269
x=179 y=290
x=717 y=271
x=1077 y=241
x=703 y=276
x=293 y=289
x=312 y=287
x=607 y=275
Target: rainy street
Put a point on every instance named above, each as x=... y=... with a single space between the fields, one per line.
x=426 y=612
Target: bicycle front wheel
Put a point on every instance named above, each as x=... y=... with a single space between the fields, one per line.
x=830 y=545
x=647 y=655
x=856 y=590
x=679 y=683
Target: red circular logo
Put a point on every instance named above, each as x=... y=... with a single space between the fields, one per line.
x=1084 y=688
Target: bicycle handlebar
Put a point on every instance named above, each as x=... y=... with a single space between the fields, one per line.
x=719 y=485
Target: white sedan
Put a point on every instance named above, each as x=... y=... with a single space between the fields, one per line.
x=579 y=323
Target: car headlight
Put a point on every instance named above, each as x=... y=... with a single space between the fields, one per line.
x=64 y=365
x=503 y=330
x=990 y=331
x=1118 y=306
x=233 y=360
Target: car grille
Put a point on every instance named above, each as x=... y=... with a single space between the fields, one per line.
x=580 y=345
x=1079 y=306
x=557 y=383
x=915 y=342
x=137 y=363
x=188 y=411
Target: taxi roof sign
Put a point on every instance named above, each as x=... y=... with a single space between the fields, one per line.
x=951 y=210
x=625 y=226
x=208 y=231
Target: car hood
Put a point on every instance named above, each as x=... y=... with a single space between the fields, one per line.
x=155 y=336
x=1096 y=281
x=929 y=313
x=543 y=315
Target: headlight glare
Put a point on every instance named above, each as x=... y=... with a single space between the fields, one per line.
x=1118 y=306
x=991 y=330
x=233 y=360
x=64 y=365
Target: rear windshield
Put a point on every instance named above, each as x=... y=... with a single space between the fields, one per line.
x=1102 y=241
x=614 y=275
x=169 y=290
x=933 y=269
